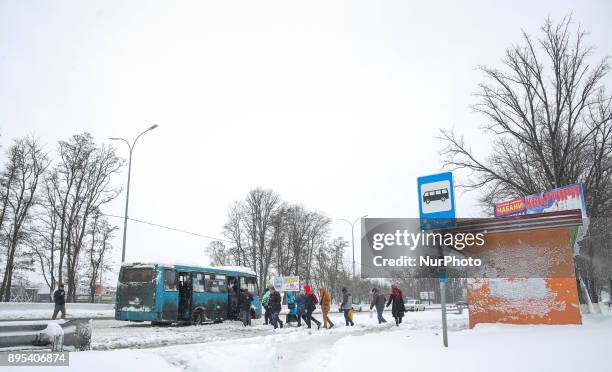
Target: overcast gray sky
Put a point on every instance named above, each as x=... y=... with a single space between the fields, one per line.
x=333 y=104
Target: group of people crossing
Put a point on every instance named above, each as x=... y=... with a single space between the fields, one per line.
x=396 y=300
x=301 y=306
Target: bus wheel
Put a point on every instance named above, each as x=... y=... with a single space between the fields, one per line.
x=198 y=317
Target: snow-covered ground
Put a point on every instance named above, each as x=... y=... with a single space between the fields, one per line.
x=112 y=334
x=415 y=345
x=29 y=310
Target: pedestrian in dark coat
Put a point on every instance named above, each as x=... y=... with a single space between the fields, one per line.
x=397 y=298
x=245 y=306
x=275 y=307
x=311 y=305
x=300 y=302
x=378 y=301
x=59 y=298
x=233 y=302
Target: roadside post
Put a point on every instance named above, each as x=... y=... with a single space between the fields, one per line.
x=443 y=281
x=437 y=211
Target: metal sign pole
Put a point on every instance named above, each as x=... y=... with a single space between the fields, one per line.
x=437 y=210
x=443 y=278
x=443 y=301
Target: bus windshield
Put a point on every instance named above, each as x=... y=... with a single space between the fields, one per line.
x=139 y=275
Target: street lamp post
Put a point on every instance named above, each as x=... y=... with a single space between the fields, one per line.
x=352 y=224
x=127 y=193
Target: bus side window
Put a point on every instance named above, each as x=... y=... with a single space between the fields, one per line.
x=215 y=283
x=198 y=283
x=222 y=285
x=249 y=284
x=169 y=280
x=252 y=285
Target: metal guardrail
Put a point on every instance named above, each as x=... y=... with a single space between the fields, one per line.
x=57 y=335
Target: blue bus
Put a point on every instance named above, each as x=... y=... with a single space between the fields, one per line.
x=168 y=293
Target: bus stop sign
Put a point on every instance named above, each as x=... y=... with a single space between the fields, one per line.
x=436 y=201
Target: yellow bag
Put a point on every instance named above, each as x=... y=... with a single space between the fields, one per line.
x=350 y=314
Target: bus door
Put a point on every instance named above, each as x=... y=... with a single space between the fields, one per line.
x=216 y=291
x=250 y=284
x=170 y=296
x=184 y=291
x=232 y=297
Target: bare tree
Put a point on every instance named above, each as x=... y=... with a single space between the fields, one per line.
x=79 y=184
x=26 y=164
x=547 y=114
x=44 y=239
x=259 y=209
x=219 y=254
x=234 y=231
x=99 y=233
x=273 y=237
x=549 y=118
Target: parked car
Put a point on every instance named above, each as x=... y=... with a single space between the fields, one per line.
x=356 y=307
x=414 y=305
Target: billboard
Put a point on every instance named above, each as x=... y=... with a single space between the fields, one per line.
x=286 y=283
x=560 y=199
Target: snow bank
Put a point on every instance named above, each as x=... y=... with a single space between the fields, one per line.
x=415 y=345
x=115 y=361
x=53 y=330
x=36 y=310
x=487 y=348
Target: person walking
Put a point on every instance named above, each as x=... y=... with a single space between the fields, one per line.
x=292 y=313
x=397 y=298
x=275 y=307
x=265 y=299
x=378 y=301
x=300 y=304
x=233 y=302
x=245 y=306
x=325 y=308
x=347 y=306
x=311 y=305
x=59 y=298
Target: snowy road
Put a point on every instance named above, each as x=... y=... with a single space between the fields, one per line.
x=366 y=346
x=287 y=349
x=112 y=334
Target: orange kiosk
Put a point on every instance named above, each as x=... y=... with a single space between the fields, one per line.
x=540 y=244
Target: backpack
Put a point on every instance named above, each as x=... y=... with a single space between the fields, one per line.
x=311 y=304
x=265 y=299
